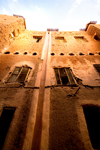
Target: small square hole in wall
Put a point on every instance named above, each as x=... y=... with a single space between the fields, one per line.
x=37 y=38
x=80 y=39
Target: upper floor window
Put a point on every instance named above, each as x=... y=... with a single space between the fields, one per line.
x=64 y=76
x=97 y=37
x=20 y=74
x=37 y=38
x=60 y=39
x=80 y=39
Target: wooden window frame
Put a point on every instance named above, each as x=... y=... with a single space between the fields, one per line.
x=38 y=38
x=18 y=74
x=68 y=76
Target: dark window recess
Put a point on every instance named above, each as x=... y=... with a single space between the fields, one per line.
x=59 y=38
x=64 y=76
x=97 y=37
x=80 y=39
x=20 y=74
x=5 y=121
x=92 y=115
x=97 y=67
x=38 y=38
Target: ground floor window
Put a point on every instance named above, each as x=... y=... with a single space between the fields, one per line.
x=92 y=116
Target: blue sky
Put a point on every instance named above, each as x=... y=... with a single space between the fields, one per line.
x=67 y=15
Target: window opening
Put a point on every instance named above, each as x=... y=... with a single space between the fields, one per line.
x=20 y=74
x=37 y=38
x=96 y=37
x=80 y=39
x=64 y=76
x=92 y=116
x=97 y=67
x=60 y=39
x=5 y=121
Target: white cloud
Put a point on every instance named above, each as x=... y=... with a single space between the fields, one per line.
x=98 y=3
x=11 y=6
x=4 y=11
x=36 y=19
x=78 y=1
x=37 y=8
x=74 y=6
x=14 y=0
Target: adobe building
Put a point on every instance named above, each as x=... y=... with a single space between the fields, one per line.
x=49 y=87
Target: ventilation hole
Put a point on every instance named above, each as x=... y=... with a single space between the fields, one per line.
x=91 y=53
x=71 y=54
x=7 y=52
x=16 y=53
x=35 y=53
x=52 y=54
x=25 y=53
x=61 y=53
x=99 y=53
x=81 y=53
